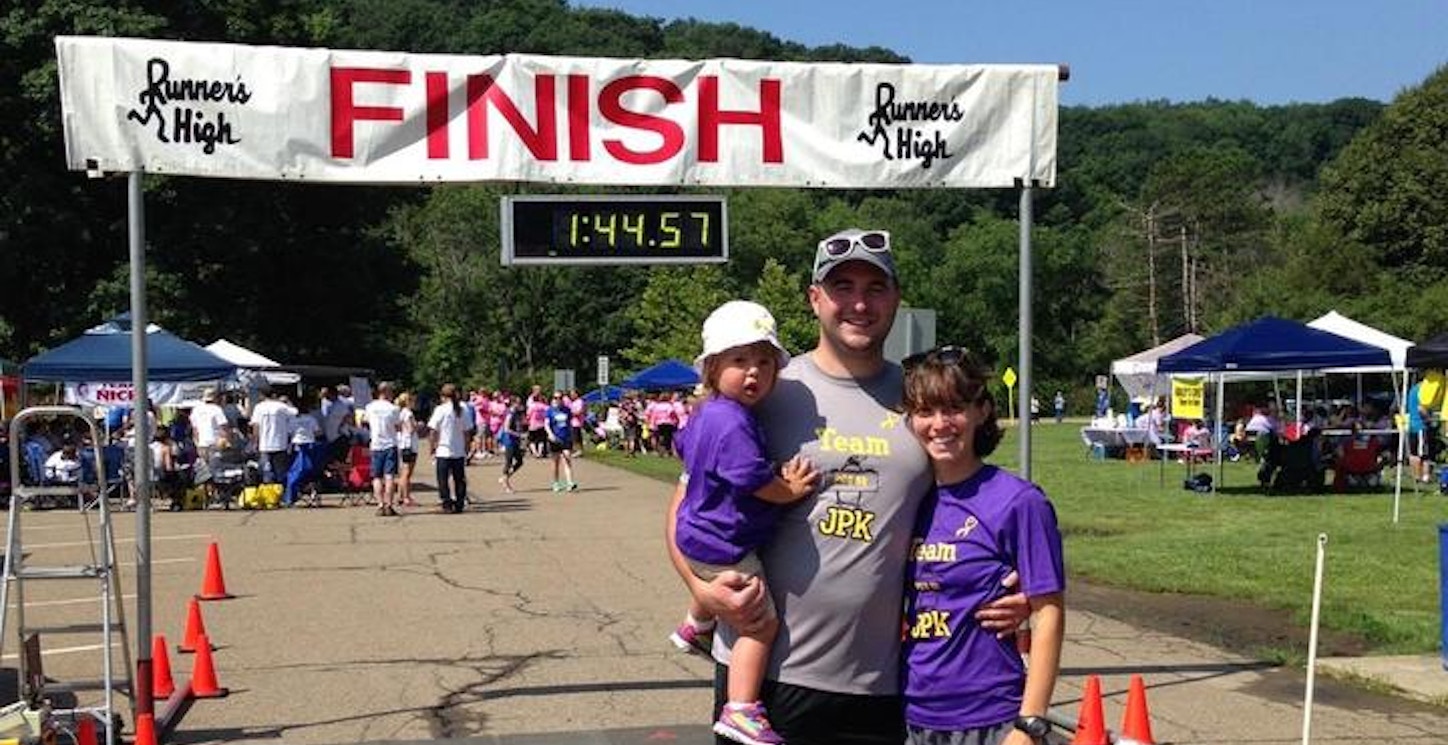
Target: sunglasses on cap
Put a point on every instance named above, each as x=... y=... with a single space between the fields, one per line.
x=875 y=241
x=948 y=355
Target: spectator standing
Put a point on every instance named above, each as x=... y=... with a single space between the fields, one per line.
x=208 y=422
x=449 y=447
x=577 y=420
x=382 y=424
x=1059 y=402
x=271 y=429
x=406 y=448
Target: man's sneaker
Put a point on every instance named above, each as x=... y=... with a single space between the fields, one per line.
x=690 y=639
x=557 y=486
x=746 y=723
x=573 y=486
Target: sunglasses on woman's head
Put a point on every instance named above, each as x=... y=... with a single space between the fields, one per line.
x=875 y=241
x=948 y=355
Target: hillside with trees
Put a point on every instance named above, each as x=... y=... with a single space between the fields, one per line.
x=1167 y=217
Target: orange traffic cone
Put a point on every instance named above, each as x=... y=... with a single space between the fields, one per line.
x=85 y=730
x=145 y=729
x=162 y=686
x=213 y=585
x=1091 y=724
x=195 y=627
x=1136 y=725
x=203 y=676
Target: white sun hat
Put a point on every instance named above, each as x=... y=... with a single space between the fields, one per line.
x=739 y=323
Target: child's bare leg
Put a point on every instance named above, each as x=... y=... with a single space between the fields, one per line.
x=748 y=661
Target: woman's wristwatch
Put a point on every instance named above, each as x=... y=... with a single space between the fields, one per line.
x=1036 y=727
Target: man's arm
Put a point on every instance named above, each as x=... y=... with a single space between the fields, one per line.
x=1004 y=614
x=738 y=600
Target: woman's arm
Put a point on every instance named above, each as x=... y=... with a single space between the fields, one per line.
x=1048 y=629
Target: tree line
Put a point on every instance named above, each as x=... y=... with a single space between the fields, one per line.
x=1167 y=218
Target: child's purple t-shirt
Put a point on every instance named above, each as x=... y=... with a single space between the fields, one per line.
x=720 y=519
x=968 y=537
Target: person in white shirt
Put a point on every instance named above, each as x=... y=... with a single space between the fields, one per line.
x=271 y=429
x=208 y=422
x=449 y=448
x=63 y=466
x=303 y=469
x=383 y=422
x=336 y=423
x=406 y=449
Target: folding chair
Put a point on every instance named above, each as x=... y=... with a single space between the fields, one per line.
x=357 y=482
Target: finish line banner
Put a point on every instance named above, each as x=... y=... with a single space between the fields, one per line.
x=247 y=112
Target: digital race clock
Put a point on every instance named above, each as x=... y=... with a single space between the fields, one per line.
x=614 y=229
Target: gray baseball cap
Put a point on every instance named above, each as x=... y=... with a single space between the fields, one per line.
x=854 y=244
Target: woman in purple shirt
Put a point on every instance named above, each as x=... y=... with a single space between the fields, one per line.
x=962 y=683
x=732 y=497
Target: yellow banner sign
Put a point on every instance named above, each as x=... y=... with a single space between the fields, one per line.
x=1188 y=398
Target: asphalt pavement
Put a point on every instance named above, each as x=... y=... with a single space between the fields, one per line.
x=541 y=618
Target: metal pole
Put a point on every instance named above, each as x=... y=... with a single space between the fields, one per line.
x=1023 y=403
x=1312 y=638
x=1401 y=424
x=1221 y=423
x=136 y=214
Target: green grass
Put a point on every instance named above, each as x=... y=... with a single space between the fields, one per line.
x=1124 y=527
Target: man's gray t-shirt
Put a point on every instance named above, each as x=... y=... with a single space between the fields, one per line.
x=836 y=564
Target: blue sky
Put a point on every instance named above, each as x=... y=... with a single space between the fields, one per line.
x=1267 y=51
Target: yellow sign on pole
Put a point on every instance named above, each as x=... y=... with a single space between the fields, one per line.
x=1188 y=398
x=1009 y=378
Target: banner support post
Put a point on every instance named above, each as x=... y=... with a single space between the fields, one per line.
x=140 y=410
x=1023 y=401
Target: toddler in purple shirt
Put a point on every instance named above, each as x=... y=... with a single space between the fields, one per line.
x=732 y=496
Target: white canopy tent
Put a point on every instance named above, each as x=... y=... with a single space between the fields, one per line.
x=248 y=360
x=1397 y=347
x=1337 y=323
x=1137 y=373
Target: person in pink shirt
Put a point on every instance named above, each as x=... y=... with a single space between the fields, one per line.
x=497 y=412
x=537 y=416
x=654 y=418
x=681 y=412
x=579 y=413
x=669 y=406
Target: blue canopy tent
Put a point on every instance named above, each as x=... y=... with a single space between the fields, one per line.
x=605 y=394
x=663 y=376
x=103 y=355
x=1269 y=344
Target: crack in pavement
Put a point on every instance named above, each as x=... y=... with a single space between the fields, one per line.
x=446 y=718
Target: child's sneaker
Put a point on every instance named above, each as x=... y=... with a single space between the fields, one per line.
x=557 y=486
x=689 y=638
x=573 y=486
x=746 y=723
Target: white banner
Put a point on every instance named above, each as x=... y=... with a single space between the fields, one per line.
x=248 y=112
x=122 y=394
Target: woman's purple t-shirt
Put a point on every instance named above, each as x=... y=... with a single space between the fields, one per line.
x=968 y=537
x=720 y=519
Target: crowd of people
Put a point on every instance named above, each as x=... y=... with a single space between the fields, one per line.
x=324 y=438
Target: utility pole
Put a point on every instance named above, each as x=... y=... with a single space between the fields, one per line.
x=1186 y=284
x=1151 y=275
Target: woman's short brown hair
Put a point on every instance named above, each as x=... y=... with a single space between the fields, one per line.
x=940 y=379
